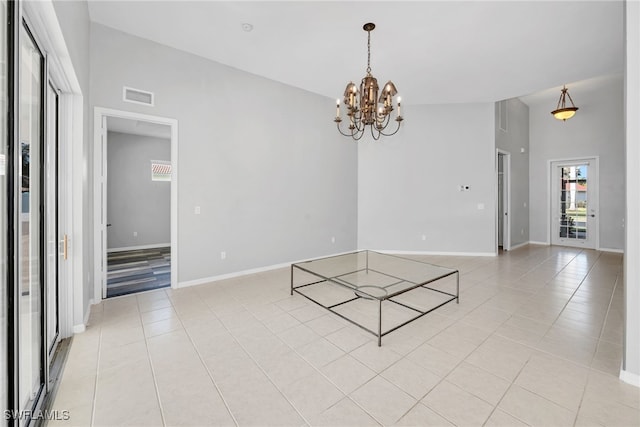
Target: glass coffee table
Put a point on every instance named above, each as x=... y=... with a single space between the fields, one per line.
x=358 y=285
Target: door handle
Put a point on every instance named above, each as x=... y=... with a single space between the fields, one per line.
x=108 y=225
x=65 y=247
x=592 y=215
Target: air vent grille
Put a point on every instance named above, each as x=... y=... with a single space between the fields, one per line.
x=137 y=96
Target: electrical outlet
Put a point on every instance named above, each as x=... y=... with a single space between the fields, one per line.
x=135 y=234
x=196 y=210
x=333 y=239
x=223 y=255
x=424 y=237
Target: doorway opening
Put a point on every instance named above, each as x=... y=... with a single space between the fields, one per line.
x=136 y=202
x=503 y=170
x=574 y=202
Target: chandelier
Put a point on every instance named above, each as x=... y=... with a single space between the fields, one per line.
x=562 y=112
x=364 y=108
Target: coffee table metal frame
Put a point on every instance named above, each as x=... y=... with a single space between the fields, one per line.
x=363 y=293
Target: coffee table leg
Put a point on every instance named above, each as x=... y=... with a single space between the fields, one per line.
x=457 y=287
x=379 y=323
x=291 y=279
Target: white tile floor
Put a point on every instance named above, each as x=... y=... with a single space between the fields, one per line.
x=535 y=340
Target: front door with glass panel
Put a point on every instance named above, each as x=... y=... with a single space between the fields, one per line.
x=574 y=203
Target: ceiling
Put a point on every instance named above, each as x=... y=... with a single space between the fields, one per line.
x=434 y=51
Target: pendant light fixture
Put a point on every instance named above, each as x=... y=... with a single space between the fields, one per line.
x=562 y=112
x=364 y=108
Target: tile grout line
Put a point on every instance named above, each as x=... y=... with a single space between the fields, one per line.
x=213 y=381
x=260 y=366
x=153 y=372
x=513 y=383
x=586 y=384
x=377 y=374
x=321 y=337
x=95 y=388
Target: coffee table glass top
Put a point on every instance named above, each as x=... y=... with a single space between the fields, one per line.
x=374 y=275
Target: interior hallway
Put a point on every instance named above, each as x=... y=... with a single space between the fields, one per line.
x=535 y=340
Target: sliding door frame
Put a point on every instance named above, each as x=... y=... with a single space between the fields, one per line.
x=13 y=332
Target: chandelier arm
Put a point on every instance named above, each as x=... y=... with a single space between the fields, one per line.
x=374 y=132
x=340 y=130
x=385 y=121
x=394 y=132
x=357 y=136
x=359 y=124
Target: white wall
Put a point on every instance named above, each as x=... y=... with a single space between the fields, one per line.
x=513 y=140
x=408 y=184
x=263 y=160
x=631 y=360
x=595 y=130
x=73 y=17
x=138 y=209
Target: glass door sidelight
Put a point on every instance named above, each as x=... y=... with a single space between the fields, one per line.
x=51 y=223
x=30 y=250
x=574 y=203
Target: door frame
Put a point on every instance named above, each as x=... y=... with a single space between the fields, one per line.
x=506 y=225
x=99 y=197
x=595 y=194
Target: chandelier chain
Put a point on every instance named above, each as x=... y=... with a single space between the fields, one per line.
x=368 y=52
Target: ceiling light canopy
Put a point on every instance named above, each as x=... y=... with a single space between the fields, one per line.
x=364 y=107
x=562 y=112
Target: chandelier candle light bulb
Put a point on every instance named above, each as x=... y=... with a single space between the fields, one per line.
x=364 y=108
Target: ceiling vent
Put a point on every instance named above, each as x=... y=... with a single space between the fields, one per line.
x=137 y=96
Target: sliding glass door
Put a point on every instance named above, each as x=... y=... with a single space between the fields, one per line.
x=4 y=211
x=29 y=219
x=30 y=224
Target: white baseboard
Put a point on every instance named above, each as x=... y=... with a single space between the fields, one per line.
x=617 y=251
x=519 y=245
x=249 y=271
x=533 y=242
x=220 y=277
x=630 y=378
x=78 y=329
x=135 y=248
x=397 y=252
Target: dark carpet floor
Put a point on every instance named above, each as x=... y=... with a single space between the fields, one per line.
x=138 y=270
